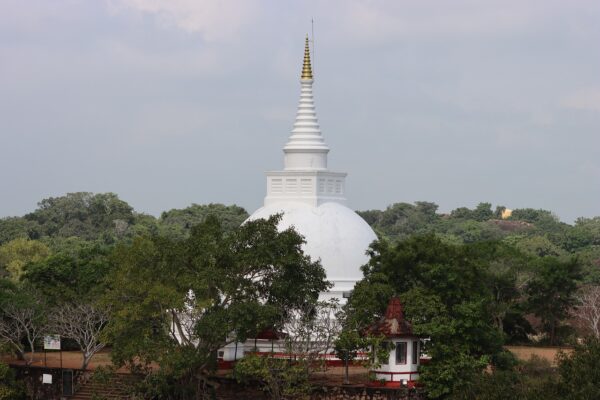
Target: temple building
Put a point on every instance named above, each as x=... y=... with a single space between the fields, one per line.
x=312 y=198
x=401 y=366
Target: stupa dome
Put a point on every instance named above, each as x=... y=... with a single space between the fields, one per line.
x=334 y=234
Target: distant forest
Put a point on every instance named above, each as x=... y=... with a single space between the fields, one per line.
x=78 y=218
x=68 y=222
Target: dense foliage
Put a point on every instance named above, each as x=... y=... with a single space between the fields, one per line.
x=445 y=292
x=577 y=378
x=471 y=280
x=103 y=217
x=10 y=389
x=534 y=232
x=466 y=299
x=177 y=302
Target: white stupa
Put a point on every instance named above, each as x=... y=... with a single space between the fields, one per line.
x=311 y=199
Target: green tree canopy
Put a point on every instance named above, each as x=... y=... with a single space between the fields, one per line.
x=82 y=214
x=71 y=276
x=177 y=302
x=178 y=223
x=447 y=298
x=580 y=372
x=551 y=291
x=17 y=253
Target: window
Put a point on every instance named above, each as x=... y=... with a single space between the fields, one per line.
x=386 y=359
x=401 y=352
x=276 y=185
x=306 y=186
x=415 y=352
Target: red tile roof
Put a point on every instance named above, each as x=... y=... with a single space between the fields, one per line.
x=393 y=323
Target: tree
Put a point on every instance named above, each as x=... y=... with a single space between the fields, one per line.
x=580 y=372
x=508 y=273
x=472 y=231
x=534 y=379
x=76 y=276
x=279 y=378
x=587 y=309
x=446 y=297
x=483 y=212
x=18 y=227
x=578 y=378
x=84 y=324
x=10 y=389
x=15 y=254
x=536 y=246
x=402 y=219
x=351 y=341
x=87 y=215
x=177 y=223
x=551 y=291
x=532 y=215
x=585 y=233
x=22 y=318
x=310 y=330
x=220 y=288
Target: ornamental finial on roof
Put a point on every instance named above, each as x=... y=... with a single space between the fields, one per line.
x=306 y=67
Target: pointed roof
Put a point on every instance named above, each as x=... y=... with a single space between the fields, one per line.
x=392 y=324
x=306 y=66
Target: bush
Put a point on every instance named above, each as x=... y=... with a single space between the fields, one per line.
x=10 y=389
x=580 y=371
x=281 y=379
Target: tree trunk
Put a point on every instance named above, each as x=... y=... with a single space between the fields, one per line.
x=86 y=360
x=20 y=354
x=499 y=322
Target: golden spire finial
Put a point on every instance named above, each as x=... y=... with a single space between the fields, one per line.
x=306 y=68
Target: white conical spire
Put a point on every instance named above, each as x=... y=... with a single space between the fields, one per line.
x=306 y=149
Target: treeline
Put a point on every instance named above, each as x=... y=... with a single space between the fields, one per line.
x=471 y=281
x=537 y=233
x=106 y=219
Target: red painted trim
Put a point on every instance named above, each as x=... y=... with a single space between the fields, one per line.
x=328 y=357
x=225 y=365
x=391 y=382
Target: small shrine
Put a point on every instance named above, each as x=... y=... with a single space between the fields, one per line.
x=401 y=365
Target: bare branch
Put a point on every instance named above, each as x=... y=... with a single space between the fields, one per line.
x=311 y=330
x=82 y=323
x=19 y=323
x=588 y=308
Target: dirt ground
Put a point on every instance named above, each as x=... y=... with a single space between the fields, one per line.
x=68 y=359
x=357 y=375
x=525 y=353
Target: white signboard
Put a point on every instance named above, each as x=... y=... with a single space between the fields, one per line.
x=52 y=342
x=47 y=378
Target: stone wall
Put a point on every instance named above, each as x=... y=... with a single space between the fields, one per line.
x=366 y=393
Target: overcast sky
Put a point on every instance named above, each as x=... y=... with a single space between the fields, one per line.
x=173 y=102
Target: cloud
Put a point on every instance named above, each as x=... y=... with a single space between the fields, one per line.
x=215 y=20
x=380 y=20
x=586 y=99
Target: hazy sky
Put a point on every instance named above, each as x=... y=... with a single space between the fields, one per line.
x=173 y=102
